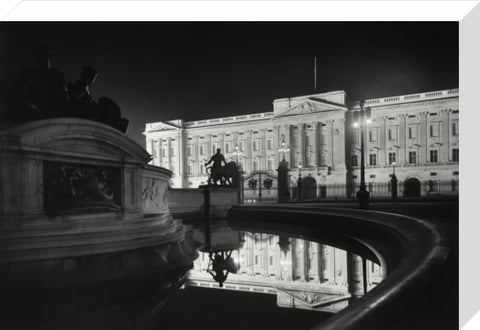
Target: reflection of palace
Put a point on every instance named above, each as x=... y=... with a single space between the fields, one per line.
x=417 y=132
x=301 y=273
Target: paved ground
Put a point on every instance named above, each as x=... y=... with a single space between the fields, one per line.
x=437 y=309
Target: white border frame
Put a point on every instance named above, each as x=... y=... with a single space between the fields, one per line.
x=465 y=12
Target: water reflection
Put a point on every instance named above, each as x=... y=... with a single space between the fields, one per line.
x=302 y=274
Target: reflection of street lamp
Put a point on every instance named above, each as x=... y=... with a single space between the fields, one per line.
x=361 y=119
x=300 y=183
x=283 y=149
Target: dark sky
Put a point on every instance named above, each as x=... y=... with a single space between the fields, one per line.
x=162 y=71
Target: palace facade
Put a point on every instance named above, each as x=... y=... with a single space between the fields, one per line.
x=416 y=136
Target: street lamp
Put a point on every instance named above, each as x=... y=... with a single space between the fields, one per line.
x=237 y=153
x=283 y=149
x=361 y=119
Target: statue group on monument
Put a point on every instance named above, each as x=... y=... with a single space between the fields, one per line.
x=219 y=174
x=41 y=92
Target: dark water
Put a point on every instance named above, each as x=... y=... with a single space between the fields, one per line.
x=267 y=281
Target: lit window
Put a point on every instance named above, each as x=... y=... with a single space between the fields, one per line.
x=412 y=157
x=392 y=157
x=354 y=160
x=454 y=128
x=455 y=154
x=412 y=132
x=270 y=165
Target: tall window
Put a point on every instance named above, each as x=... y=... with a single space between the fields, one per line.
x=256 y=260
x=201 y=150
x=227 y=147
x=454 y=128
x=271 y=260
x=154 y=153
x=269 y=144
x=433 y=156
x=373 y=159
x=412 y=132
x=163 y=152
x=434 y=130
x=255 y=165
x=372 y=135
x=412 y=157
x=270 y=165
x=172 y=152
x=214 y=148
x=202 y=169
x=354 y=160
x=392 y=157
x=455 y=154
x=189 y=151
x=255 y=146
x=392 y=134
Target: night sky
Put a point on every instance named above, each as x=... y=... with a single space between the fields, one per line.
x=163 y=71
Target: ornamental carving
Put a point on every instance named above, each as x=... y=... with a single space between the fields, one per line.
x=154 y=195
x=78 y=189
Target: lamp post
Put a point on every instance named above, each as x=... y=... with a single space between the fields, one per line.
x=361 y=119
x=237 y=153
x=283 y=194
x=394 y=182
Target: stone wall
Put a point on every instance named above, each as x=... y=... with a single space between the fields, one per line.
x=190 y=203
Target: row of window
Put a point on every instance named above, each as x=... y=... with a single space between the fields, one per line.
x=412 y=132
x=412 y=157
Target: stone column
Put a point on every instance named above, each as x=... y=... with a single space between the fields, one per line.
x=287 y=135
x=330 y=144
x=159 y=151
x=402 y=139
x=276 y=145
x=323 y=145
x=180 y=158
x=382 y=141
x=301 y=144
x=249 y=152
x=324 y=263
x=444 y=132
x=423 y=138
x=196 y=155
x=222 y=142
x=315 y=145
x=339 y=144
x=355 y=276
x=262 y=164
x=169 y=156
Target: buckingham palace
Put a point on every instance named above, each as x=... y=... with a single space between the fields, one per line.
x=414 y=136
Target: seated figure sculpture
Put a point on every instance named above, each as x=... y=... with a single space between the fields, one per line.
x=40 y=92
x=83 y=105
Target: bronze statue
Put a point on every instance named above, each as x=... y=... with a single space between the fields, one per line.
x=40 y=92
x=218 y=173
